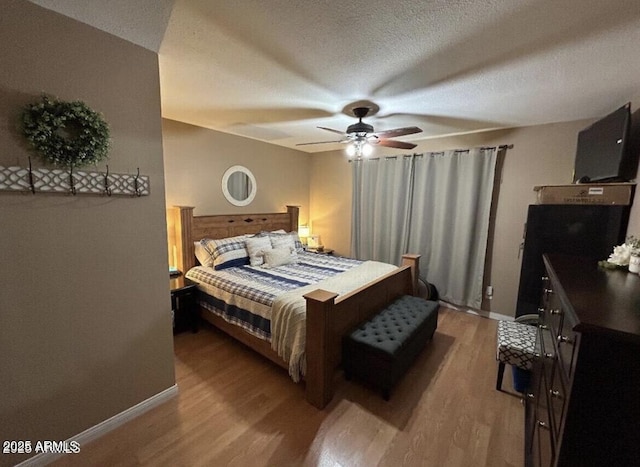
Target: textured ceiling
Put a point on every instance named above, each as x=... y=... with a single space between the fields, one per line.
x=274 y=70
x=142 y=22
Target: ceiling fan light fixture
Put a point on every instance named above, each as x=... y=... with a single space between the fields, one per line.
x=361 y=136
x=359 y=148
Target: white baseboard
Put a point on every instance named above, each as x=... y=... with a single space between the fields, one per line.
x=104 y=427
x=484 y=314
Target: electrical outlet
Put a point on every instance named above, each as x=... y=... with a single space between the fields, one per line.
x=489 y=292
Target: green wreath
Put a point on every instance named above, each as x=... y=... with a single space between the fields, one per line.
x=67 y=134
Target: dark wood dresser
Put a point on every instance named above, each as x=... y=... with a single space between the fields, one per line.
x=583 y=405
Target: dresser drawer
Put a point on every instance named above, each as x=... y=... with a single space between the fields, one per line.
x=555 y=314
x=536 y=390
x=567 y=341
x=545 y=446
x=557 y=395
x=547 y=293
x=548 y=354
x=543 y=439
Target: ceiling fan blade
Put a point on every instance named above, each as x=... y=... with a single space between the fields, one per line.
x=409 y=130
x=322 y=142
x=396 y=144
x=332 y=130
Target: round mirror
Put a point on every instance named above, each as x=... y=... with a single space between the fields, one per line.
x=239 y=185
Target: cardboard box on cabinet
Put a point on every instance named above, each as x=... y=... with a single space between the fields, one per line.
x=605 y=194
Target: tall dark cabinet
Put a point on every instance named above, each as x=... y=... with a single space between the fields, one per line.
x=589 y=231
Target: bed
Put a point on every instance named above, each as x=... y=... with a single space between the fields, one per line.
x=327 y=315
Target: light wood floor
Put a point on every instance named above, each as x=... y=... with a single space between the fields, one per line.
x=235 y=408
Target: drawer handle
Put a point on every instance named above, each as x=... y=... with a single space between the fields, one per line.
x=547 y=291
x=555 y=311
x=541 y=309
x=542 y=424
x=543 y=326
x=555 y=393
x=564 y=339
x=549 y=355
x=545 y=278
x=531 y=396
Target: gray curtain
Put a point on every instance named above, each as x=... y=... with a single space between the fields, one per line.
x=436 y=205
x=383 y=214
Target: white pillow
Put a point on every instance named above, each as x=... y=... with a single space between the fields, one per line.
x=203 y=255
x=293 y=235
x=282 y=241
x=279 y=256
x=256 y=247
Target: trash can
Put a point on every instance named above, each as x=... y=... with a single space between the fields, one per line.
x=521 y=379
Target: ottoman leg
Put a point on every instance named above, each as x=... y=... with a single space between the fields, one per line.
x=500 y=375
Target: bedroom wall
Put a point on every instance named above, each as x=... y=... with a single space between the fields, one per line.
x=195 y=159
x=542 y=155
x=85 y=308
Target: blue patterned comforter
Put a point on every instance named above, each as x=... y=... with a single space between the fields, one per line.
x=244 y=295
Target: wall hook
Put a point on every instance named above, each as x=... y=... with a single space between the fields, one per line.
x=107 y=189
x=31 y=184
x=136 y=184
x=72 y=185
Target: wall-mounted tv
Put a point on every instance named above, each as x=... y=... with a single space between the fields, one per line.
x=604 y=150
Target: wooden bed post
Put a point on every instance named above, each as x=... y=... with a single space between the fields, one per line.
x=182 y=219
x=294 y=214
x=319 y=374
x=414 y=262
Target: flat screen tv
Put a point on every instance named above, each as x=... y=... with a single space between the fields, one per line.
x=603 y=153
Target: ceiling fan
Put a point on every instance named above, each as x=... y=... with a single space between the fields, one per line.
x=361 y=137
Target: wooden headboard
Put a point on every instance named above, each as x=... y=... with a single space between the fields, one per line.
x=184 y=228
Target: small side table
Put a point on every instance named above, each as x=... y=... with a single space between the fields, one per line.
x=183 y=304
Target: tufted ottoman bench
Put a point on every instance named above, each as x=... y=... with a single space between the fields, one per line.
x=381 y=350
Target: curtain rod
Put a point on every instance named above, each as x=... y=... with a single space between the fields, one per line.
x=482 y=148
x=501 y=147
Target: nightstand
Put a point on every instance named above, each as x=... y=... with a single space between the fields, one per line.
x=183 y=304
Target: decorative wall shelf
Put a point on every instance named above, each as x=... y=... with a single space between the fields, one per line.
x=73 y=182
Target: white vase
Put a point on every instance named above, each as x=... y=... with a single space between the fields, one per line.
x=634 y=264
